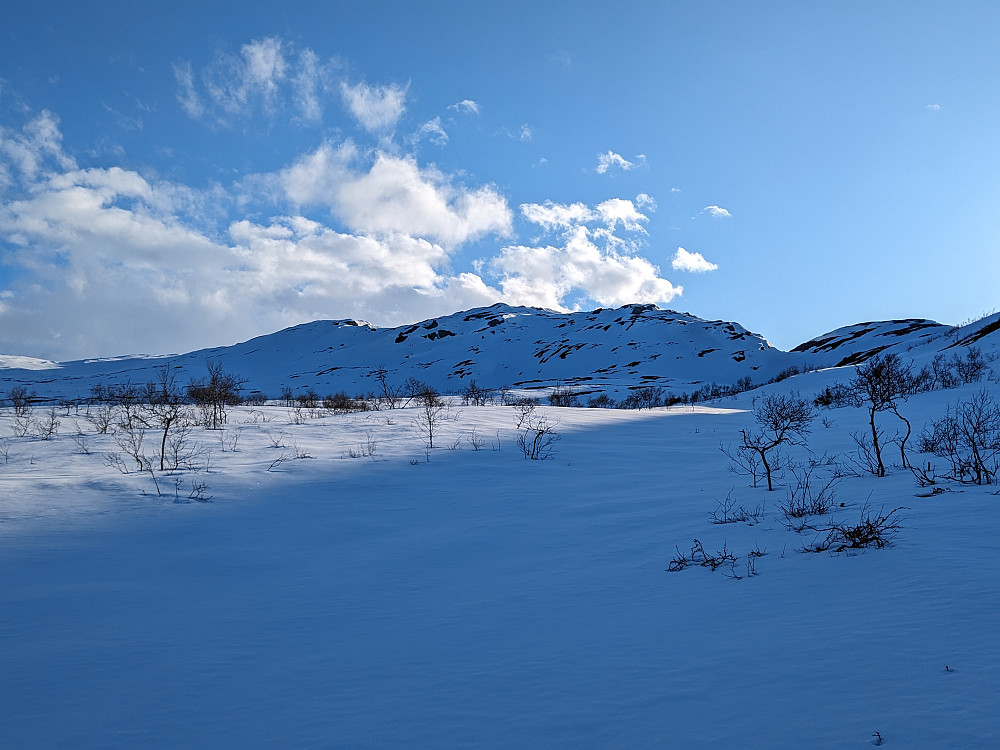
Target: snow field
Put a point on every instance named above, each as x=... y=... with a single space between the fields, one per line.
x=481 y=600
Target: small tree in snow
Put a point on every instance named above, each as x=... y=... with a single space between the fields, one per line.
x=782 y=419
x=879 y=385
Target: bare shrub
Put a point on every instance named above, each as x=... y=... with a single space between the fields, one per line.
x=698 y=556
x=563 y=396
x=809 y=498
x=879 y=385
x=216 y=394
x=744 y=461
x=783 y=420
x=48 y=426
x=432 y=409
x=524 y=408
x=872 y=529
x=537 y=438
x=728 y=511
x=476 y=441
x=968 y=438
x=647 y=397
x=476 y=396
x=101 y=417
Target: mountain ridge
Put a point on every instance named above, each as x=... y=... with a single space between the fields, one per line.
x=607 y=350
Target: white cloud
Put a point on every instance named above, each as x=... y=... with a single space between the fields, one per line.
x=267 y=76
x=34 y=150
x=466 y=105
x=187 y=96
x=645 y=202
x=716 y=212
x=934 y=107
x=548 y=276
x=619 y=210
x=395 y=196
x=376 y=108
x=238 y=84
x=433 y=131
x=562 y=216
x=552 y=216
x=684 y=260
x=524 y=134
x=609 y=161
x=307 y=85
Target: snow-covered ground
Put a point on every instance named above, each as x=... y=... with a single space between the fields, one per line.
x=478 y=599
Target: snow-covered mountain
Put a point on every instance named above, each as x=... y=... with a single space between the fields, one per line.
x=606 y=350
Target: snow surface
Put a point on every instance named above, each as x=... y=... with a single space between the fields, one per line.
x=481 y=600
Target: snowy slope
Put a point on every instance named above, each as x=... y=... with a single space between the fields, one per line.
x=608 y=350
x=913 y=339
x=481 y=600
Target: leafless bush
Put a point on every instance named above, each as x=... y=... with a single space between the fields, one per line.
x=925 y=475
x=101 y=416
x=216 y=394
x=198 y=491
x=727 y=511
x=476 y=441
x=115 y=460
x=366 y=449
x=47 y=426
x=698 y=556
x=5 y=450
x=872 y=529
x=431 y=411
x=473 y=395
x=782 y=419
x=276 y=439
x=563 y=396
x=808 y=498
x=537 y=438
x=81 y=444
x=968 y=438
x=647 y=397
x=130 y=439
x=744 y=461
x=524 y=408
x=879 y=385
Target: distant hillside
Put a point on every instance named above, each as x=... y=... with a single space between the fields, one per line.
x=611 y=351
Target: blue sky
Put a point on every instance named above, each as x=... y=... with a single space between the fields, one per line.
x=180 y=176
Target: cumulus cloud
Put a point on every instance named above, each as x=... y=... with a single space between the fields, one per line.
x=610 y=161
x=551 y=216
x=395 y=195
x=109 y=260
x=376 y=108
x=934 y=107
x=549 y=276
x=619 y=210
x=685 y=260
x=589 y=261
x=112 y=262
x=716 y=212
